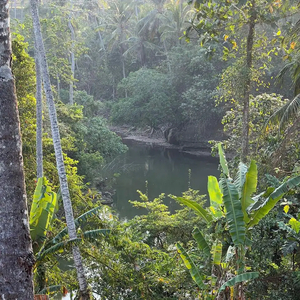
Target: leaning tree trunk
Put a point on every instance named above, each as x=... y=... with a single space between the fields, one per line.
x=39 y=117
x=16 y=257
x=248 y=71
x=58 y=151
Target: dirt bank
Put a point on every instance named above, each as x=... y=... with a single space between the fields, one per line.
x=132 y=136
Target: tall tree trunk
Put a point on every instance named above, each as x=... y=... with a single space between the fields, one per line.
x=72 y=58
x=58 y=152
x=39 y=117
x=124 y=73
x=58 y=85
x=16 y=256
x=248 y=71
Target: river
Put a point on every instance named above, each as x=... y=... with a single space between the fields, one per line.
x=158 y=170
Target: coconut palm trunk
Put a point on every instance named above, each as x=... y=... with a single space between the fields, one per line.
x=16 y=257
x=72 y=59
x=84 y=293
x=39 y=117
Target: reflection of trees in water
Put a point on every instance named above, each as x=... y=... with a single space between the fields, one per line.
x=119 y=165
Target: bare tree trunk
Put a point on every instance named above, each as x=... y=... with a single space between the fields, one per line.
x=58 y=86
x=72 y=58
x=84 y=292
x=249 y=62
x=15 y=10
x=39 y=117
x=16 y=256
x=124 y=73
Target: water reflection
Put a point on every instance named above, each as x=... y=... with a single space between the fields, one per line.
x=165 y=170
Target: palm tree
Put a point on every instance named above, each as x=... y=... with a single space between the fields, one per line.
x=58 y=152
x=287 y=117
x=119 y=22
x=16 y=259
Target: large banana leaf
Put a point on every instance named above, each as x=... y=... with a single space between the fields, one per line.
x=271 y=201
x=234 y=214
x=239 y=278
x=249 y=188
x=190 y=265
x=240 y=178
x=197 y=208
x=223 y=160
x=215 y=196
x=202 y=244
x=43 y=208
x=216 y=252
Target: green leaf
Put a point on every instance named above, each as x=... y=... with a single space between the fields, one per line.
x=223 y=161
x=94 y=234
x=82 y=218
x=190 y=265
x=202 y=244
x=271 y=201
x=249 y=188
x=216 y=252
x=56 y=248
x=197 y=208
x=241 y=178
x=215 y=196
x=234 y=214
x=285 y=227
x=43 y=209
x=239 y=278
x=295 y=224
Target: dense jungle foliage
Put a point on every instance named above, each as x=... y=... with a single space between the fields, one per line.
x=181 y=70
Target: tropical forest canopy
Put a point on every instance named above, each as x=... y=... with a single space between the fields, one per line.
x=195 y=73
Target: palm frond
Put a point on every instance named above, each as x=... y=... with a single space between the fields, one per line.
x=94 y=234
x=285 y=114
x=82 y=218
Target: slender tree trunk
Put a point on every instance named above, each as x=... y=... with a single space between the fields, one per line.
x=58 y=86
x=15 y=10
x=16 y=256
x=124 y=73
x=248 y=71
x=58 y=152
x=72 y=58
x=39 y=117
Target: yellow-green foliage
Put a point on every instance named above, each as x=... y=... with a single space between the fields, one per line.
x=43 y=208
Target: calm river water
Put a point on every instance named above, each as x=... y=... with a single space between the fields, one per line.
x=164 y=170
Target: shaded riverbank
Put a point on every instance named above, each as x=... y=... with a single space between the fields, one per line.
x=131 y=136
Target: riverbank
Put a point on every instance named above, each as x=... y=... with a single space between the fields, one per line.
x=156 y=140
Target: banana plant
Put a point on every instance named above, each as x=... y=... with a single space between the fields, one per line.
x=42 y=214
x=43 y=209
x=233 y=202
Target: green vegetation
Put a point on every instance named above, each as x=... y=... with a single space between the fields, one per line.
x=217 y=71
